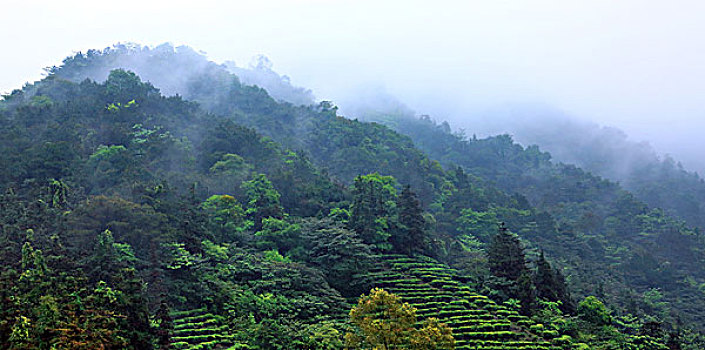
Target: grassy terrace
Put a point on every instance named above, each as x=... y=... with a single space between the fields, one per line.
x=199 y=330
x=437 y=290
x=434 y=289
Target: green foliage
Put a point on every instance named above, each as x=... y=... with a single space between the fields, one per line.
x=600 y=224
x=177 y=257
x=338 y=252
x=274 y=256
x=481 y=225
x=20 y=337
x=123 y=204
x=593 y=312
x=410 y=236
x=373 y=209
x=109 y=164
x=109 y=258
x=41 y=101
x=232 y=166
x=278 y=234
x=163 y=324
x=140 y=226
x=551 y=286
x=116 y=107
x=384 y=322
x=262 y=200
x=506 y=255
x=107 y=153
x=122 y=84
x=215 y=252
x=59 y=193
x=227 y=219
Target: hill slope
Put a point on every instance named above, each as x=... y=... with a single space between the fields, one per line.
x=111 y=185
x=600 y=226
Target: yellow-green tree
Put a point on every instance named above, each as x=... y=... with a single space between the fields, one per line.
x=384 y=322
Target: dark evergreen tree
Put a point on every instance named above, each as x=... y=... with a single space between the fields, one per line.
x=165 y=325
x=550 y=285
x=134 y=307
x=563 y=292
x=409 y=237
x=12 y=211
x=192 y=224
x=674 y=340
x=506 y=255
x=545 y=280
x=525 y=293
x=104 y=261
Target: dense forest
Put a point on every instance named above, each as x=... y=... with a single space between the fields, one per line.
x=153 y=199
x=658 y=180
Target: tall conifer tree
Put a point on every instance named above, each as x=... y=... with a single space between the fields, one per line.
x=410 y=235
x=506 y=255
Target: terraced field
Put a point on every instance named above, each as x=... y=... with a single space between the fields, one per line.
x=200 y=330
x=436 y=290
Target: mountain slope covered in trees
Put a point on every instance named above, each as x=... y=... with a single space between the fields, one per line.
x=135 y=220
x=644 y=248
x=660 y=181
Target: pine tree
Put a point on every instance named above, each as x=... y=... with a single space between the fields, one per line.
x=567 y=303
x=550 y=285
x=526 y=293
x=506 y=261
x=545 y=280
x=134 y=307
x=165 y=325
x=410 y=234
x=103 y=263
x=506 y=255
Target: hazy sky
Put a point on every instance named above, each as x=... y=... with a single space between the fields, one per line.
x=634 y=64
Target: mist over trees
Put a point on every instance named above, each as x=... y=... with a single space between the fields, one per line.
x=659 y=180
x=174 y=69
x=223 y=217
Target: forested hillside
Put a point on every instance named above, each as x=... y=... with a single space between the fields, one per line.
x=643 y=248
x=226 y=219
x=658 y=180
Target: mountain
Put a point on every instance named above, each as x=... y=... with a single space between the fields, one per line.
x=659 y=181
x=597 y=220
x=216 y=216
